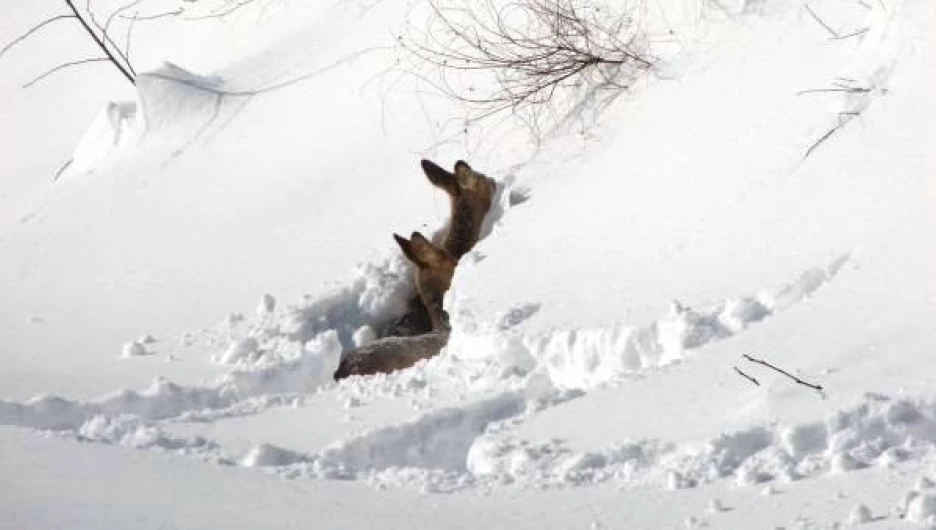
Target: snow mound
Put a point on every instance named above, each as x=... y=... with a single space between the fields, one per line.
x=310 y=367
x=116 y=127
x=134 y=349
x=246 y=349
x=922 y=509
x=265 y=455
x=375 y=293
x=860 y=514
x=131 y=432
x=174 y=109
x=866 y=435
x=440 y=439
x=587 y=357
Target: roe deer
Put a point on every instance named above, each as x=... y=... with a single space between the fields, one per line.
x=470 y=194
x=434 y=270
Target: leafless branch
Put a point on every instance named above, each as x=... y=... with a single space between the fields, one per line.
x=32 y=30
x=853 y=106
x=839 y=88
x=797 y=380
x=821 y=22
x=852 y=34
x=815 y=145
x=746 y=376
x=154 y=16
x=124 y=53
x=63 y=66
x=99 y=40
x=104 y=31
x=62 y=169
x=530 y=54
x=236 y=6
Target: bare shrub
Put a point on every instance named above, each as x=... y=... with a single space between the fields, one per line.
x=535 y=58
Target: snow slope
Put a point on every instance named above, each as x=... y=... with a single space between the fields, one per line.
x=626 y=269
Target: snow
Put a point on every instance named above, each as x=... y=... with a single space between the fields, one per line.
x=133 y=349
x=765 y=195
x=922 y=509
x=860 y=514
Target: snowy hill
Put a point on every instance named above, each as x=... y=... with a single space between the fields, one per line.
x=764 y=194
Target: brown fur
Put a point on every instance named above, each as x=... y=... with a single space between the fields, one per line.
x=470 y=194
x=434 y=271
x=390 y=354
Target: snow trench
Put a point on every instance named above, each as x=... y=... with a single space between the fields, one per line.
x=468 y=444
x=299 y=352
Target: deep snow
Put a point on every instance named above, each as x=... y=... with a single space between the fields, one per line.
x=187 y=285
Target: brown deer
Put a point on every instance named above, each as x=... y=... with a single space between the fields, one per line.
x=423 y=331
x=434 y=271
x=470 y=195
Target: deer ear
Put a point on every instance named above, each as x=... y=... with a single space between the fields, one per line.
x=418 y=238
x=427 y=253
x=407 y=247
x=464 y=175
x=423 y=248
x=439 y=177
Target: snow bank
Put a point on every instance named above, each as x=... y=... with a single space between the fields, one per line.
x=375 y=294
x=879 y=432
x=310 y=367
x=174 y=108
x=586 y=357
x=131 y=432
x=439 y=439
x=267 y=455
x=116 y=127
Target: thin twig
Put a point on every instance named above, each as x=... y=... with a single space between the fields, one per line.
x=128 y=40
x=107 y=25
x=746 y=376
x=848 y=116
x=269 y=88
x=817 y=388
x=221 y=14
x=852 y=34
x=32 y=30
x=63 y=66
x=850 y=90
x=819 y=20
x=154 y=16
x=105 y=35
x=62 y=169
